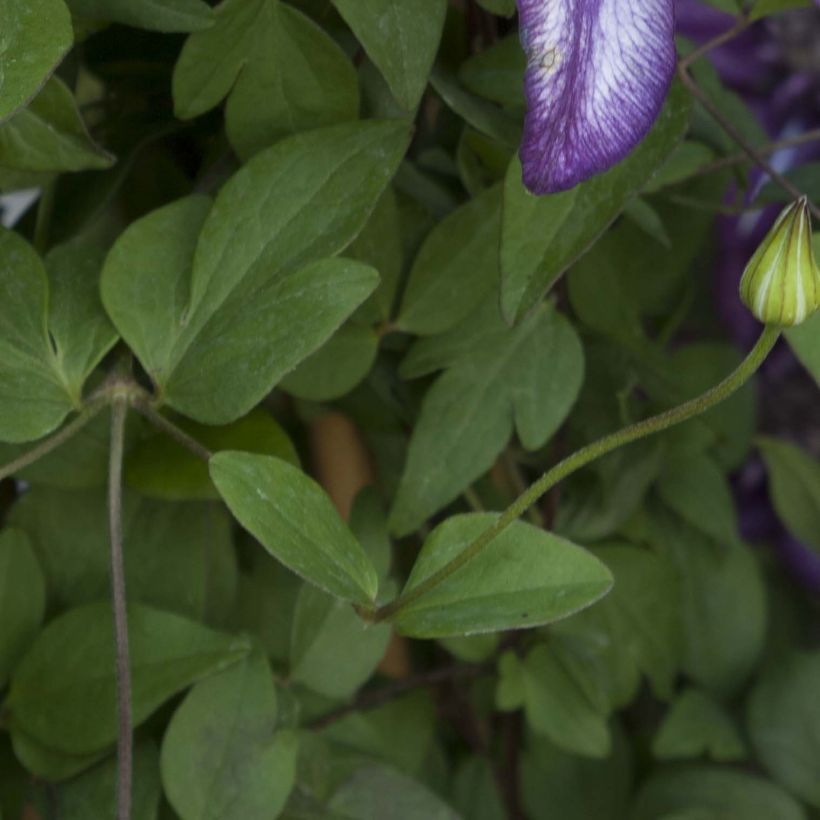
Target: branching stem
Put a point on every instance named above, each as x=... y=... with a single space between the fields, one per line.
x=584 y=456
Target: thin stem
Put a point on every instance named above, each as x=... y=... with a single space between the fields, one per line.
x=125 y=741
x=54 y=441
x=701 y=51
x=168 y=427
x=584 y=456
x=753 y=154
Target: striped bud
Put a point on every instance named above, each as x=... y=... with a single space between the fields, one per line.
x=781 y=283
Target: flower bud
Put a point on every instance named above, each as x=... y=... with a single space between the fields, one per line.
x=781 y=283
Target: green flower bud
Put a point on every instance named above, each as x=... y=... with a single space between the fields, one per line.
x=781 y=283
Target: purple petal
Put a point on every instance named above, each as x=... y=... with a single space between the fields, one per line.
x=598 y=72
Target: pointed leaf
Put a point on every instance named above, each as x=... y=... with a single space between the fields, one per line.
x=50 y=135
x=293 y=518
x=222 y=756
x=401 y=37
x=63 y=692
x=525 y=577
x=36 y=36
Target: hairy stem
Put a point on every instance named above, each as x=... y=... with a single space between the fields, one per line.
x=54 y=441
x=584 y=456
x=169 y=428
x=119 y=409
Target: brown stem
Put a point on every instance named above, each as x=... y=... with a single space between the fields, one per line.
x=753 y=154
x=119 y=409
x=378 y=697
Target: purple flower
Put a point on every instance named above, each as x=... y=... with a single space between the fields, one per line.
x=598 y=72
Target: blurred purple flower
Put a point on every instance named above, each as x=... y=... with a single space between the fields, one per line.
x=597 y=75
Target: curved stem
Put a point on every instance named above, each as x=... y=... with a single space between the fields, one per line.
x=54 y=441
x=584 y=456
x=119 y=409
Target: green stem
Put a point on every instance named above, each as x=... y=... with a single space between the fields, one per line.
x=169 y=428
x=61 y=436
x=584 y=456
x=125 y=741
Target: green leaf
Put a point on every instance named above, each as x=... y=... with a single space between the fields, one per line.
x=258 y=257
x=542 y=236
x=34 y=396
x=784 y=723
x=455 y=269
x=332 y=651
x=223 y=757
x=497 y=73
x=697 y=490
x=36 y=36
x=557 y=707
x=293 y=518
x=639 y=621
x=50 y=135
x=696 y=725
x=282 y=72
x=555 y=784
x=47 y=763
x=340 y=364
x=379 y=791
x=178 y=557
x=159 y=467
x=401 y=37
x=94 y=793
x=156 y=15
x=794 y=485
x=525 y=577
x=497 y=378
x=63 y=693
x=475 y=794
x=763 y=8
x=22 y=598
x=713 y=792
x=723 y=604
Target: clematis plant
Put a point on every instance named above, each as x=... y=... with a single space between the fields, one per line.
x=342 y=477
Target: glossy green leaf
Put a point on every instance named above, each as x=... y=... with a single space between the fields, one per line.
x=258 y=256
x=293 y=518
x=223 y=756
x=178 y=557
x=497 y=378
x=50 y=135
x=523 y=578
x=401 y=37
x=456 y=268
x=161 y=468
x=36 y=36
x=332 y=651
x=714 y=792
x=794 y=485
x=542 y=236
x=784 y=723
x=697 y=725
x=282 y=72
x=22 y=598
x=157 y=15
x=63 y=692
